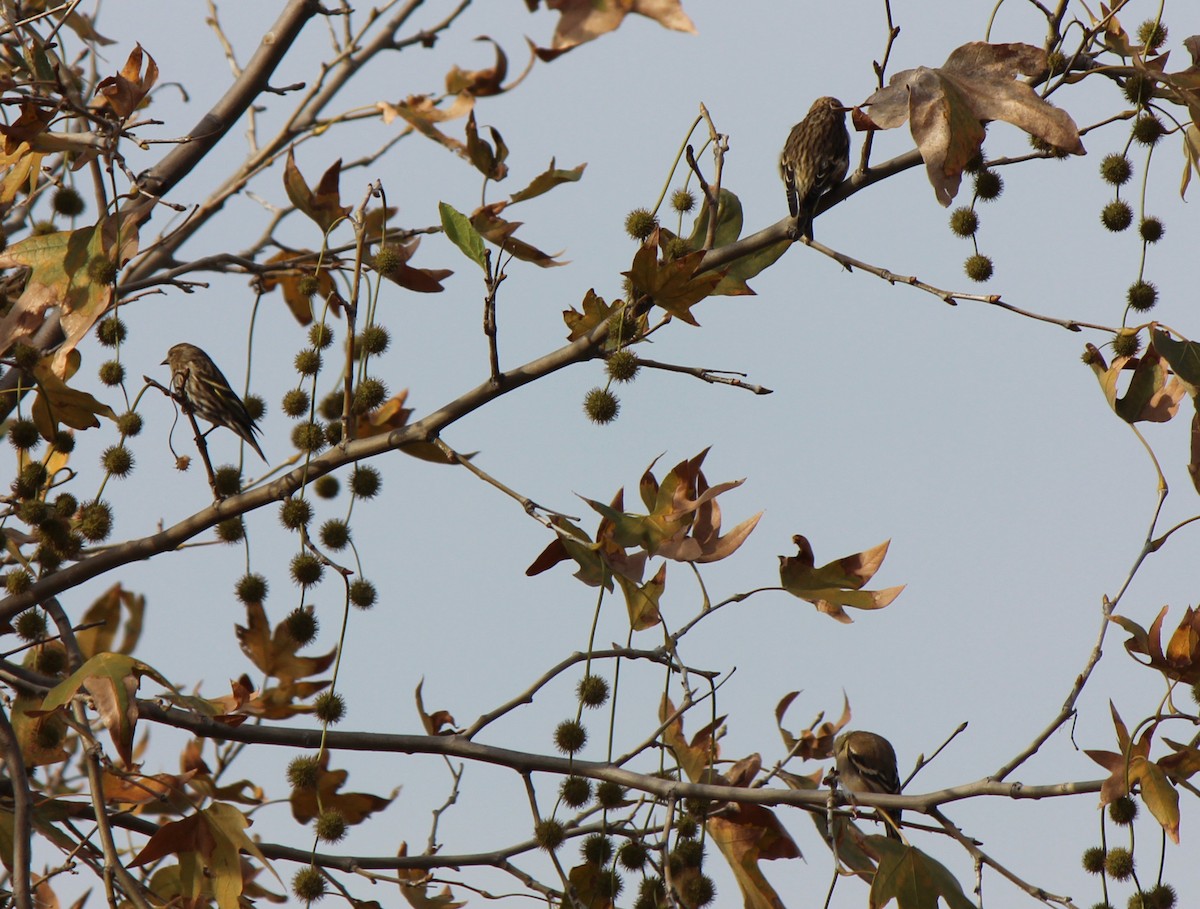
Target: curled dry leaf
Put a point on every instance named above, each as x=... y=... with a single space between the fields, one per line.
x=947 y=106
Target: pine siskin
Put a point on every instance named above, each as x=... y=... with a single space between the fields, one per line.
x=204 y=386
x=815 y=159
x=866 y=762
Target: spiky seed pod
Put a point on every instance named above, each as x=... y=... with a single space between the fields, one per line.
x=65 y=505
x=815 y=159
x=204 y=388
x=333 y=432
x=365 y=482
x=369 y=394
x=988 y=185
x=978 y=267
x=1116 y=215
x=1138 y=89
x=682 y=201
x=1142 y=295
x=592 y=691
x=1152 y=34
x=1115 y=169
x=295 y=513
x=30 y=625
x=327 y=486
x=308 y=362
x=330 y=826
x=652 y=893
x=117 y=460
x=308 y=286
x=329 y=708
x=227 y=480
x=576 y=791
x=251 y=588
x=1162 y=896
x=41 y=228
x=64 y=441
x=309 y=436
x=304 y=772
x=23 y=435
x=231 y=530
x=295 y=402
x=1123 y=811
x=32 y=478
x=320 y=335
x=308 y=884
x=597 y=848
x=51 y=658
x=640 y=223
x=570 y=736
x=623 y=366
x=632 y=856
x=601 y=406
x=1093 y=859
x=549 y=834
x=964 y=222
x=26 y=356
x=610 y=795
x=111 y=331
x=1151 y=230
x=690 y=853
x=130 y=423
x=374 y=340
x=1126 y=343
x=686 y=827
x=95 y=521
x=330 y=407
x=335 y=534
x=1148 y=129
x=67 y=201
x=306 y=569
x=362 y=593
x=698 y=891
x=102 y=270
x=1119 y=863
x=609 y=886
x=302 y=625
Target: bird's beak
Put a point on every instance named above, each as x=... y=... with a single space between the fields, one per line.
x=163 y=363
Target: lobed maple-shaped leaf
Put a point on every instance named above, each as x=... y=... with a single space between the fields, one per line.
x=421 y=280
x=414 y=886
x=641 y=600
x=1150 y=396
x=673 y=285
x=124 y=92
x=499 y=232
x=323 y=204
x=276 y=654
x=581 y=21
x=355 y=807
x=111 y=680
x=815 y=742
x=133 y=788
x=1181 y=659
x=912 y=878
x=1131 y=767
x=946 y=107
x=728 y=229
x=1183 y=764
x=57 y=403
x=684 y=522
x=838 y=584
x=66 y=269
x=288 y=281
x=103 y=617
x=593 y=312
x=745 y=834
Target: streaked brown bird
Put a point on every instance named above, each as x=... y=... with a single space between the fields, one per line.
x=866 y=762
x=815 y=159
x=207 y=392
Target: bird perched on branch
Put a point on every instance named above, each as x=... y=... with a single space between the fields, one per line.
x=206 y=391
x=815 y=159
x=866 y=762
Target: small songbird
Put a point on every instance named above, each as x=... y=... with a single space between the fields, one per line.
x=815 y=159
x=207 y=392
x=866 y=762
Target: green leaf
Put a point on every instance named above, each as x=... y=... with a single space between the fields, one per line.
x=462 y=233
x=1183 y=356
x=912 y=878
x=729 y=221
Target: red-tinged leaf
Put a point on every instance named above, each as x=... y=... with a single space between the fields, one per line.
x=481 y=82
x=124 y=92
x=1181 y=659
x=673 y=285
x=573 y=543
x=414 y=886
x=422 y=113
x=175 y=838
x=355 y=807
x=499 y=232
x=134 y=789
x=438 y=723
x=546 y=181
x=837 y=584
x=322 y=204
x=947 y=106
x=288 y=280
x=1183 y=764
x=585 y=20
